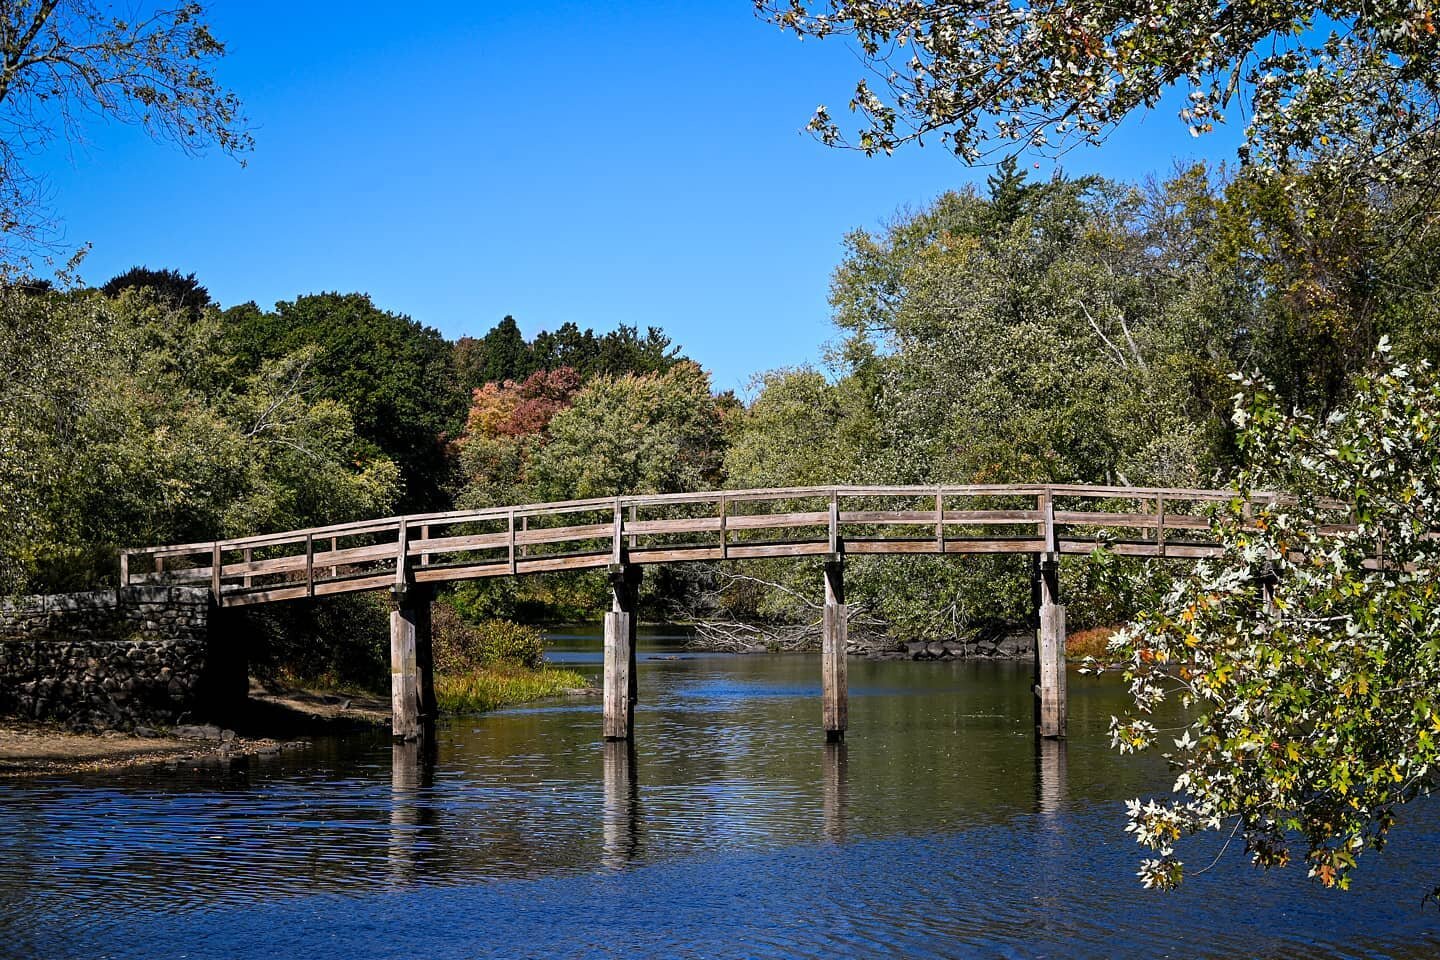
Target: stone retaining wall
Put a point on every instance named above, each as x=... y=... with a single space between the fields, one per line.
x=109 y=660
x=1017 y=644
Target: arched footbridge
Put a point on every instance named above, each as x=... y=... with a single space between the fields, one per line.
x=410 y=554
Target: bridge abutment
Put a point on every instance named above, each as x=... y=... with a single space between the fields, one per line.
x=834 y=682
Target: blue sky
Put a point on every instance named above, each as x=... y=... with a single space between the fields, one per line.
x=601 y=163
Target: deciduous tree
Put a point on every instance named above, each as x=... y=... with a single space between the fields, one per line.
x=1308 y=654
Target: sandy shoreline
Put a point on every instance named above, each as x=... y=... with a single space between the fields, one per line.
x=276 y=719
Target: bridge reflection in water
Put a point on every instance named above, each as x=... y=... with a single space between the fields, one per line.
x=409 y=555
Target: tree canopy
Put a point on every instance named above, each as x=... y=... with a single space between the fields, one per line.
x=151 y=65
x=1308 y=655
x=1348 y=81
x=504 y=354
x=394 y=375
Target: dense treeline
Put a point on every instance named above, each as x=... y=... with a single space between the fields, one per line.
x=1074 y=330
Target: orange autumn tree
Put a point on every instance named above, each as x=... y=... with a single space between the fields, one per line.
x=504 y=428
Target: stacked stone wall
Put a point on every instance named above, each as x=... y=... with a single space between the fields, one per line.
x=106 y=660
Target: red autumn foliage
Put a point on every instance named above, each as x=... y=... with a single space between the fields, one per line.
x=512 y=409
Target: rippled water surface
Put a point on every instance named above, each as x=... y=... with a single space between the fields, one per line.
x=730 y=829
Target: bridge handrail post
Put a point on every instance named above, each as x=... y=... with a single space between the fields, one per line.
x=1160 y=525
x=939 y=519
x=510 y=525
x=215 y=570
x=124 y=568
x=834 y=521
x=402 y=555
x=617 y=549
x=1047 y=508
x=724 y=535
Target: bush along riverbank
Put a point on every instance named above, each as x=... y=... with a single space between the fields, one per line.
x=494 y=664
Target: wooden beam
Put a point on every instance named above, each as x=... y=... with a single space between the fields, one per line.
x=405 y=695
x=834 y=683
x=1050 y=652
x=834 y=523
x=724 y=533
x=939 y=521
x=511 y=545
x=402 y=558
x=617 y=722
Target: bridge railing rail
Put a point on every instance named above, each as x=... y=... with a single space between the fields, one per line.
x=667 y=528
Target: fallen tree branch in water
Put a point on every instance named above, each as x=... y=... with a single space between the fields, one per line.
x=737 y=636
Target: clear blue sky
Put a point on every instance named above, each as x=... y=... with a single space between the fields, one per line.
x=601 y=163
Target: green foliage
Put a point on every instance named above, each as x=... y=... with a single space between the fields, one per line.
x=461 y=647
x=1345 y=83
x=632 y=434
x=172 y=288
x=341 y=643
x=391 y=373
x=490 y=688
x=124 y=423
x=1310 y=670
x=504 y=354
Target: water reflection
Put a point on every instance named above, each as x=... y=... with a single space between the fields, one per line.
x=620 y=817
x=939 y=828
x=413 y=820
x=1051 y=774
x=836 y=782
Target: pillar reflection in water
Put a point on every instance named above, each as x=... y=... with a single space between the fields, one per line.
x=1051 y=775
x=412 y=816
x=620 y=814
x=835 y=779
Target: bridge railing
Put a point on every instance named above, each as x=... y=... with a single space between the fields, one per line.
x=711 y=525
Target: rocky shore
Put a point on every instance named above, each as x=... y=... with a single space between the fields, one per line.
x=1018 y=644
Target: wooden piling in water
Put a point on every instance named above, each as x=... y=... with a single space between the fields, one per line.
x=835 y=689
x=409 y=619
x=620 y=667
x=618 y=717
x=1050 y=692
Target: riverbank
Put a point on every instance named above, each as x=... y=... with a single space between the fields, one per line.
x=275 y=718
x=492 y=687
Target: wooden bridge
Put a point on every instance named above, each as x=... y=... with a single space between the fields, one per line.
x=409 y=555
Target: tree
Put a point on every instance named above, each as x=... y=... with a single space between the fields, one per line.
x=506 y=424
x=61 y=60
x=1345 y=82
x=1308 y=654
x=121 y=425
x=661 y=433
x=181 y=291
x=392 y=374
x=500 y=355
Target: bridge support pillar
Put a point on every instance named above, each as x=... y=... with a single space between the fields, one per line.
x=412 y=675
x=835 y=687
x=1050 y=693
x=622 y=689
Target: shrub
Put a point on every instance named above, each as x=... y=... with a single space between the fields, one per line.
x=461 y=647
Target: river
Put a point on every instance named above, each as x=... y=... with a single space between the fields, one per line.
x=729 y=830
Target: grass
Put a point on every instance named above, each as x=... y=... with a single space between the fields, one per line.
x=1089 y=643
x=501 y=685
